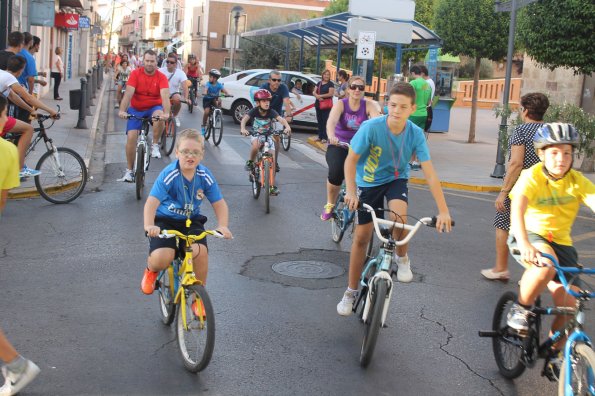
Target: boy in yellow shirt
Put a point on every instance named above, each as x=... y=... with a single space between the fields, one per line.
x=544 y=204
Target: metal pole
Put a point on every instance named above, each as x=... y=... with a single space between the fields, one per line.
x=339 y=52
x=301 y=62
x=111 y=26
x=500 y=169
x=94 y=82
x=92 y=87
x=88 y=96
x=82 y=124
x=399 y=57
x=318 y=55
x=287 y=54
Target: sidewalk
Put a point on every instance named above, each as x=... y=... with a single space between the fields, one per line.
x=461 y=165
x=63 y=132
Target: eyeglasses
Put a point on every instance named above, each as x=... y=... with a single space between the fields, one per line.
x=190 y=153
x=171 y=62
x=276 y=79
x=354 y=87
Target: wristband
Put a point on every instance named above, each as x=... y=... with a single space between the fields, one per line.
x=504 y=191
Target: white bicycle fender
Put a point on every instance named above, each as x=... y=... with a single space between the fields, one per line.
x=389 y=281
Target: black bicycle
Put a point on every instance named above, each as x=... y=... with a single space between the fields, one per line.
x=192 y=93
x=63 y=171
x=215 y=121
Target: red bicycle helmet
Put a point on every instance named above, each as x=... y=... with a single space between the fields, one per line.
x=262 y=94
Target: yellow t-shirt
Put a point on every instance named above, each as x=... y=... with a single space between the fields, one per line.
x=553 y=205
x=9 y=165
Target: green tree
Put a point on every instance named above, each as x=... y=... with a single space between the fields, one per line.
x=336 y=7
x=474 y=29
x=559 y=34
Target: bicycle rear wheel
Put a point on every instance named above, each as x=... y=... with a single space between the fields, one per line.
x=338 y=220
x=285 y=141
x=196 y=337
x=217 y=127
x=582 y=381
x=168 y=138
x=63 y=175
x=167 y=308
x=507 y=345
x=256 y=183
x=267 y=185
x=191 y=101
x=139 y=172
x=373 y=321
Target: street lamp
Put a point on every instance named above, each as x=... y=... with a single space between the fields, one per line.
x=236 y=12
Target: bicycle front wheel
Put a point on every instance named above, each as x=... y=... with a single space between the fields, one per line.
x=255 y=178
x=196 y=332
x=63 y=175
x=209 y=127
x=338 y=221
x=139 y=173
x=582 y=363
x=507 y=345
x=217 y=127
x=168 y=138
x=167 y=308
x=285 y=141
x=191 y=101
x=267 y=186
x=373 y=321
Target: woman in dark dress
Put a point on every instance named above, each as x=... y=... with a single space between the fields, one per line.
x=324 y=89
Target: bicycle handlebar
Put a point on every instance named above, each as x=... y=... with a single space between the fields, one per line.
x=561 y=273
x=165 y=234
x=427 y=221
x=43 y=117
x=150 y=118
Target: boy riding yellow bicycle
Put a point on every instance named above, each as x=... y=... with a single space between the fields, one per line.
x=174 y=204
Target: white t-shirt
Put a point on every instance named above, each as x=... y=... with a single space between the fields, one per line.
x=432 y=85
x=175 y=81
x=57 y=60
x=6 y=81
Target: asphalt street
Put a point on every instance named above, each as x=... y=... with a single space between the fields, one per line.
x=70 y=298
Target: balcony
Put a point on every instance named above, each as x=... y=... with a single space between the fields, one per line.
x=74 y=3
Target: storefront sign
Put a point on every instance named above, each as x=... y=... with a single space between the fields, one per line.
x=69 y=57
x=42 y=12
x=67 y=21
x=84 y=22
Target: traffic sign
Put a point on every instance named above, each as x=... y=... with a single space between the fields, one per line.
x=366 y=44
x=393 y=9
x=386 y=31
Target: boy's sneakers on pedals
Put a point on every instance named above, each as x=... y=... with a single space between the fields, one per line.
x=327 y=212
x=404 y=273
x=147 y=285
x=345 y=306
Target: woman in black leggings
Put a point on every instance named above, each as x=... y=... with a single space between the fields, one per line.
x=57 y=71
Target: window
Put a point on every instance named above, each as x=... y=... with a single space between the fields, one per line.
x=258 y=80
x=154 y=19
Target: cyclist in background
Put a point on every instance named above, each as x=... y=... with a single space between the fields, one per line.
x=123 y=71
x=211 y=93
x=147 y=93
x=378 y=165
x=178 y=89
x=544 y=204
x=176 y=197
x=194 y=71
x=262 y=117
x=344 y=121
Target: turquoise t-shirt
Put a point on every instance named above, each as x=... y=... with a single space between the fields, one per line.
x=381 y=151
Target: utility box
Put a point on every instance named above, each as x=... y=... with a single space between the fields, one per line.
x=75 y=99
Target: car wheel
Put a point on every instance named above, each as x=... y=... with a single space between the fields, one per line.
x=239 y=109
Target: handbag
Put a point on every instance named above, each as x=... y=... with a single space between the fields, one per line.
x=325 y=103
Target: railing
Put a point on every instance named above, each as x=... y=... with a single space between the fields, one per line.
x=489 y=93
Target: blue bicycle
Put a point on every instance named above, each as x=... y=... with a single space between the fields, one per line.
x=514 y=352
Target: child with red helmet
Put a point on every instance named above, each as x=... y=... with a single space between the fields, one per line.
x=262 y=117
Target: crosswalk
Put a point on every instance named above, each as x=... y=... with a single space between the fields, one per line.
x=233 y=150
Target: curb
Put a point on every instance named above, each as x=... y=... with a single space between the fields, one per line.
x=32 y=192
x=421 y=181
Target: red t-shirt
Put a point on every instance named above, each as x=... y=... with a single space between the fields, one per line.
x=147 y=89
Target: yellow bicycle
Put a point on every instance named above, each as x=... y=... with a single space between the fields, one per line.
x=180 y=291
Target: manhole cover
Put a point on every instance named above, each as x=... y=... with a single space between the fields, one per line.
x=308 y=269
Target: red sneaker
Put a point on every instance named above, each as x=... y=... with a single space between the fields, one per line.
x=147 y=285
x=198 y=309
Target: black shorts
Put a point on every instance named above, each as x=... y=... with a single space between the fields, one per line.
x=374 y=196
x=196 y=228
x=567 y=255
x=207 y=102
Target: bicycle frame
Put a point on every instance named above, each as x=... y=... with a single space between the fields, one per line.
x=265 y=155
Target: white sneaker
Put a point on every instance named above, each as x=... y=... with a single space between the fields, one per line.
x=404 y=273
x=177 y=121
x=128 y=176
x=345 y=306
x=155 y=153
x=15 y=382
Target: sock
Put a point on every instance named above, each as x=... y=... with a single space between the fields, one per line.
x=18 y=365
x=527 y=307
x=352 y=291
x=402 y=260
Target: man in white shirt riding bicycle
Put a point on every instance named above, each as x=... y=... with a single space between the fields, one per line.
x=178 y=88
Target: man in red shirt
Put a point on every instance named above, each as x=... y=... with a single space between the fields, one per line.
x=147 y=93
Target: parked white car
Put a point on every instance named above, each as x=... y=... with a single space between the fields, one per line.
x=242 y=86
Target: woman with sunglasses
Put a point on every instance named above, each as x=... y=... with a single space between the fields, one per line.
x=344 y=120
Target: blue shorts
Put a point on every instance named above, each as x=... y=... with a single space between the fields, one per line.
x=374 y=196
x=135 y=125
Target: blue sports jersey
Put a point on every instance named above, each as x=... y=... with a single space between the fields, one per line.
x=174 y=192
x=213 y=90
x=30 y=68
x=379 y=156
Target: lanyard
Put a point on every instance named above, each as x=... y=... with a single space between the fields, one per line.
x=189 y=207
x=392 y=151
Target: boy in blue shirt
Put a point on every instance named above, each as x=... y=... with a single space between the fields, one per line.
x=378 y=165
x=175 y=197
x=211 y=93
